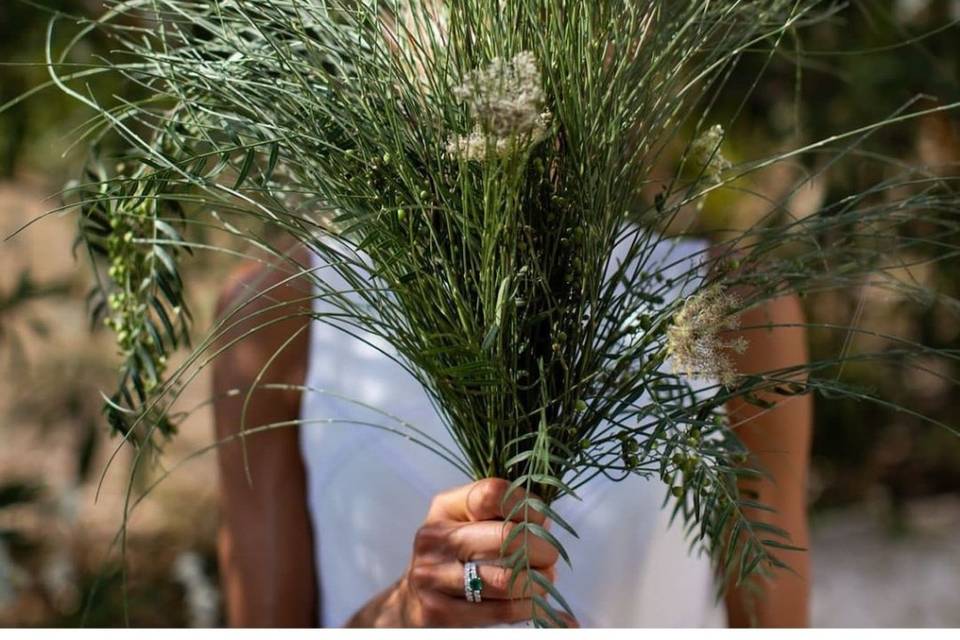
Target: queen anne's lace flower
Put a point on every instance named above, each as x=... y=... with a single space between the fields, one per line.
x=506 y=103
x=506 y=97
x=694 y=339
x=475 y=146
x=478 y=145
x=706 y=151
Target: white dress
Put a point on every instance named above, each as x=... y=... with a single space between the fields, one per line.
x=369 y=489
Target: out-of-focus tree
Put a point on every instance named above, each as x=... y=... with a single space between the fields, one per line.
x=34 y=132
x=875 y=59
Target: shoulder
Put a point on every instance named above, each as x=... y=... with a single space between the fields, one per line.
x=263 y=316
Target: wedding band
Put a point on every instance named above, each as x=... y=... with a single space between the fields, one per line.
x=472 y=584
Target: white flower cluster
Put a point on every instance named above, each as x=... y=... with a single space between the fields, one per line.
x=506 y=101
x=479 y=145
x=694 y=339
x=706 y=151
x=506 y=97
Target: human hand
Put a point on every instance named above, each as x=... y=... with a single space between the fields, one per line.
x=467 y=524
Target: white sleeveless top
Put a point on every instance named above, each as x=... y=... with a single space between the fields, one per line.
x=369 y=490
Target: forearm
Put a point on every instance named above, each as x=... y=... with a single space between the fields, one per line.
x=782 y=598
x=266 y=556
x=266 y=544
x=778 y=439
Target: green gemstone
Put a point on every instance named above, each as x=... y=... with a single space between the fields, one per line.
x=476 y=584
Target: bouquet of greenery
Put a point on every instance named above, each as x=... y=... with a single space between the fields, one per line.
x=480 y=175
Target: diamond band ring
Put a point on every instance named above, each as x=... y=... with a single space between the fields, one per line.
x=472 y=584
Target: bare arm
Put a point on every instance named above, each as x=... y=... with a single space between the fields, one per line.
x=265 y=545
x=779 y=438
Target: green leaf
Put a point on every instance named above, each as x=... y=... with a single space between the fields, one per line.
x=733 y=543
x=165 y=320
x=248 y=161
x=272 y=161
x=545 y=509
x=748 y=567
x=147 y=363
x=550 y=588
x=538 y=531
x=544 y=534
x=542 y=604
x=169 y=292
x=154 y=334
x=769 y=528
x=539 y=478
x=165 y=258
x=167 y=229
x=776 y=544
x=491 y=336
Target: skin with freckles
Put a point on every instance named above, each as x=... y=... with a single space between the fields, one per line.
x=266 y=545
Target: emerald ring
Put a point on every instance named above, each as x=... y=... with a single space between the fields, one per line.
x=472 y=584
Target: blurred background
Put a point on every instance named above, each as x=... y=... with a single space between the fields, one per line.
x=885 y=490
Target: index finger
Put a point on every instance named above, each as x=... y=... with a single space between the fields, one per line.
x=483 y=500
